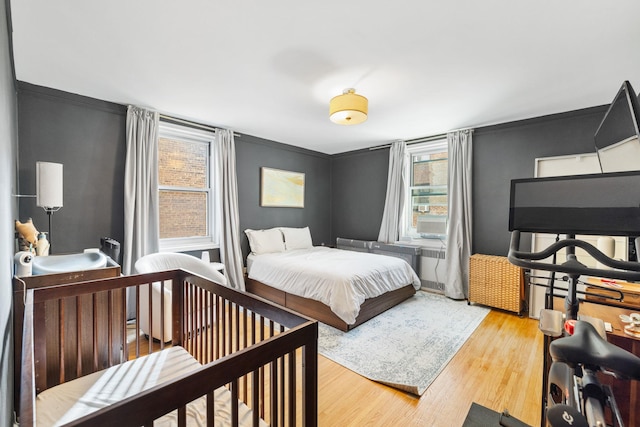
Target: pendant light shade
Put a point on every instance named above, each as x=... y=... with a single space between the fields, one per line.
x=348 y=108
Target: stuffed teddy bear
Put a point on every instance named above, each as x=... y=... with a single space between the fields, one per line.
x=27 y=235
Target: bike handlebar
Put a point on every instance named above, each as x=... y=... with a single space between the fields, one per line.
x=624 y=270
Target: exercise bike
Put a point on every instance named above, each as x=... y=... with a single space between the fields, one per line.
x=573 y=395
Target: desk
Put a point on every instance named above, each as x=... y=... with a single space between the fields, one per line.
x=627 y=393
x=630 y=291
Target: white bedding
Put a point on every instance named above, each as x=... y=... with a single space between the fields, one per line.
x=74 y=399
x=340 y=279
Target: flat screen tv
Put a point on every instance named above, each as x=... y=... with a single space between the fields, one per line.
x=604 y=204
x=617 y=139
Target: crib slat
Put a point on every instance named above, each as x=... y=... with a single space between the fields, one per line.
x=124 y=355
x=161 y=310
x=110 y=327
x=236 y=323
x=229 y=329
x=292 y=388
x=209 y=328
x=211 y=409
x=78 y=337
x=281 y=390
x=274 y=392
x=182 y=414
x=94 y=341
x=245 y=385
x=255 y=397
x=310 y=383
x=234 y=403
x=40 y=351
x=150 y=316
x=223 y=329
x=61 y=338
x=262 y=372
x=137 y=293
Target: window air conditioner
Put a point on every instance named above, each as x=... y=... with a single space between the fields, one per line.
x=435 y=226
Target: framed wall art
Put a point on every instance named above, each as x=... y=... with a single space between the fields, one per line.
x=279 y=188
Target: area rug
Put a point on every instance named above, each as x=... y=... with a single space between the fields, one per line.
x=407 y=346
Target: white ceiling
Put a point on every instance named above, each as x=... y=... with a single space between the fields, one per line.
x=269 y=68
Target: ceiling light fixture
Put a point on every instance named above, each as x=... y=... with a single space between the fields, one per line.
x=348 y=108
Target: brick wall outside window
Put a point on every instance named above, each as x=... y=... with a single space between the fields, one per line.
x=182 y=164
x=431 y=173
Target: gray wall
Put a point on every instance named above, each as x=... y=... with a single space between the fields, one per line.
x=344 y=193
x=253 y=153
x=88 y=137
x=357 y=193
x=505 y=152
x=500 y=153
x=8 y=212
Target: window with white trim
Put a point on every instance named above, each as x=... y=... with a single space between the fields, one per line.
x=427 y=206
x=187 y=191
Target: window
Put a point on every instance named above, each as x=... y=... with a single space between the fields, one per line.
x=428 y=207
x=188 y=214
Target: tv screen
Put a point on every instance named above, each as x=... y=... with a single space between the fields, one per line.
x=597 y=204
x=617 y=139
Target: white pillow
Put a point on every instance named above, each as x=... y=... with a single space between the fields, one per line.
x=297 y=238
x=265 y=241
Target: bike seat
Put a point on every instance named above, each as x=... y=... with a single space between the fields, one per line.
x=587 y=347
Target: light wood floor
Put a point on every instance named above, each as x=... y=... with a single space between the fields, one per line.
x=500 y=367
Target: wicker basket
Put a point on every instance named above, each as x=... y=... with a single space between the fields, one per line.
x=495 y=282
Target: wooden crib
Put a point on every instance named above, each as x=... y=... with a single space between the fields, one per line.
x=75 y=338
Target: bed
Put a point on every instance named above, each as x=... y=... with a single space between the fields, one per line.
x=337 y=287
x=234 y=359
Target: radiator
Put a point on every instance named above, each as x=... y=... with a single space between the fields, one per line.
x=411 y=254
x=495 y=282
x=429 y=264
x=433 y=269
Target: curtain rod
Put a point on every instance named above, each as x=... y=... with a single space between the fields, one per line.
x=413 y=141
x=193 y=124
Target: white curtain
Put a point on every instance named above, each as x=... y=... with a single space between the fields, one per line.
x=230 y=250
x=459 y=227
x=141 y=212
x=394 y=200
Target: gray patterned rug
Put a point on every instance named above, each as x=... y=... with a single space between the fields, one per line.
x=407 y=346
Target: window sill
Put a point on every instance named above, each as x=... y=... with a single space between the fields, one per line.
x=188 y=247
x=430 y=243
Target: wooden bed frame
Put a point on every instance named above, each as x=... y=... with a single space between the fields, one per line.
x=321 y=312
x=264 y=354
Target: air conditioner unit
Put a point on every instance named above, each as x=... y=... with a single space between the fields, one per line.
x=432 y=226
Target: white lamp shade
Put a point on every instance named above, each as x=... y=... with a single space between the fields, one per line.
x=49 y=185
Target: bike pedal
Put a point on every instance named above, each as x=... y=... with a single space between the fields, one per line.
x=563 y=415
